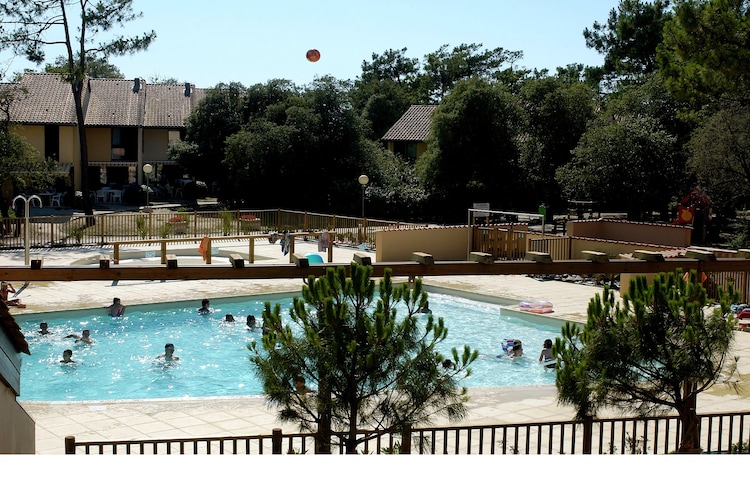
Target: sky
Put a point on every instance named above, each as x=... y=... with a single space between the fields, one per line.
x=208 y=42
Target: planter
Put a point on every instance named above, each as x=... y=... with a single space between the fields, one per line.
x=249 y=223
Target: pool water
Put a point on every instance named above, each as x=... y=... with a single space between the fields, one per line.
x=214 y=361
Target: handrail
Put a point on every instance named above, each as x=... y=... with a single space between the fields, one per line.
x=209 y=240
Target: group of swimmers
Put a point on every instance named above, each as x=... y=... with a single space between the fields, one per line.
x=205 y=308
x=515 y=350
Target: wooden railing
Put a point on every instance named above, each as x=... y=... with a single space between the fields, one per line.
x=719 y=433
x=72 y=230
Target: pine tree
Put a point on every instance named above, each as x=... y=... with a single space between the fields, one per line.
x=368 y=368
x=653 y=353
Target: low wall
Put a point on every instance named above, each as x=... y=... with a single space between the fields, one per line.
x=443 y=243
x=641 y=232
x=18 y=429
x=612 y=248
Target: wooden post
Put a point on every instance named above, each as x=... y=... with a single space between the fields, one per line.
x=251 y=251
x=276 y=439
x=406 y=440
x=208 y=251
x=588 y=434
x=163 y=251
x=70 y=445
x=116 y=252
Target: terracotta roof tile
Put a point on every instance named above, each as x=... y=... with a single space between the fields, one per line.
x=114 y=103
x=167 y=106
x=43 y=98
x=413 y=126
x=108 y=102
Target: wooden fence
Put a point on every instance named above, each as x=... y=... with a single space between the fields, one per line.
x=719 y=433
x=73 y=230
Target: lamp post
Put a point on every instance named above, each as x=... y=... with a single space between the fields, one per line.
x=363 y=179
x=26 y=201
x=147 y=169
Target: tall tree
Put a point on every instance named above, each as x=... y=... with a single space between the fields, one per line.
x=371 y=363
x=630 y=156
x=706 y=51
x=657 y=352
x=556 y=112
x=444 y=68
x=719 y=158
x=79 y=27
x=95 y=67
x=471 y=154
x=630 y=37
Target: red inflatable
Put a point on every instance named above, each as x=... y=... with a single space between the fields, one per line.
x=313 y=55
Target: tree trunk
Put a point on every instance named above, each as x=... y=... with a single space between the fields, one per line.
x=83 y=145
x=690 y=425
x=323 y=436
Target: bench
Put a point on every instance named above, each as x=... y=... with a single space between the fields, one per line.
x=237 y=260
x=171 y=261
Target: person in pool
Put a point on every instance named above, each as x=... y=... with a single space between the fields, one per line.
x=204 y=309
x=251 y=322
x=517 y=350
x=229 y=318
x=546 y=354
x=44 y=328
x=85 y=337
x=115 y=309
x=67 y=357
x=168 y=353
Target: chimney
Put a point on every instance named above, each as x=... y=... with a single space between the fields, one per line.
x=136 y=85
x=187 y=89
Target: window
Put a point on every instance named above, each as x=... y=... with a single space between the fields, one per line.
x=124 y=144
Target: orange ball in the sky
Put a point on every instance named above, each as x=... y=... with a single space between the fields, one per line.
x=313 y=55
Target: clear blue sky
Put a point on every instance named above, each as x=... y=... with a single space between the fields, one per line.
x=211 y=41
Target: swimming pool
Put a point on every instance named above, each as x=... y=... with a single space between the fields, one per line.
x=214 y=360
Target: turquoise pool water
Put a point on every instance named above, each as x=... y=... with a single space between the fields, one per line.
x=214 y=361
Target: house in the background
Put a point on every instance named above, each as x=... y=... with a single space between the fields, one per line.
x=129 y=123
x=408 y=136
x=17 y=428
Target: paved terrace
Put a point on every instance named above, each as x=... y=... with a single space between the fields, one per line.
x=143 y=419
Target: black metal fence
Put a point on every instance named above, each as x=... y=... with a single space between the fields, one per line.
x=719 y=433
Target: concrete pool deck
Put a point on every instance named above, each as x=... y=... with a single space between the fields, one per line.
x=143 y=419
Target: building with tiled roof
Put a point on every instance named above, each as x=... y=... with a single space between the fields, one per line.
x=129 y=123
x=408 y=136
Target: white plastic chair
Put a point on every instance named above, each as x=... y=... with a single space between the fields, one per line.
x=116 y=196
x=101 y=196
x=56 y=200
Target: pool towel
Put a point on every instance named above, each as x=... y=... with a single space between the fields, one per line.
x=323 y=242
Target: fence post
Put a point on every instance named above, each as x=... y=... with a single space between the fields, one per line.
x=70 y=445
x=406 y=439
x=276 y=440
x=588 y=434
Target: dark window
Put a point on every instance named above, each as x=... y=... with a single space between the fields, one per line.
x=124 y=144
x=52 y=142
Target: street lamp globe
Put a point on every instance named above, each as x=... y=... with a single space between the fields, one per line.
x=363 y=179
x=147 y=169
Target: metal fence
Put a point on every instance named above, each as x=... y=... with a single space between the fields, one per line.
x=719 y=433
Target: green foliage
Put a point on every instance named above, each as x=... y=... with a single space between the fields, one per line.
x=630 y=154
x=705 y=54
x=475 y=129
x=655 y=351
x=367 y=367
x=630 y=37
x=227 y=222
x=141 y=226
x=719 y=155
